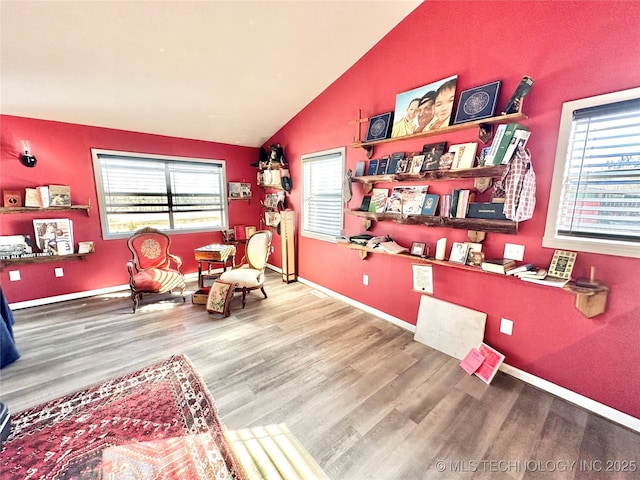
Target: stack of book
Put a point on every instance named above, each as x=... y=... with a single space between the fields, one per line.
x=507 y=138
x=498 y=265
x=460 y=199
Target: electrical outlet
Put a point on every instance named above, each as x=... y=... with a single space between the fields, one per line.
x=59 y=272
x=506 y=326
x=514 y=251
x=14 y=275
x=365 y=279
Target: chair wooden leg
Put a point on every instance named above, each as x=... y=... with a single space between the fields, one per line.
x=244 y=294
x=263 y=292
x=136 y=299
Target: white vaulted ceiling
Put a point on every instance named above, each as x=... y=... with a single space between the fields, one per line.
x=223 y=71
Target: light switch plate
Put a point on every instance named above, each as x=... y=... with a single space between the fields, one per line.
x=59 y=272
x=514 y=251
x=14 y=275
x=365 y=279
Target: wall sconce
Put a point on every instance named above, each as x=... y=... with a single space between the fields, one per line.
x=27 y=159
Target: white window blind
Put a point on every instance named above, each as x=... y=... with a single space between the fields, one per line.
x=595 y=194
x=601 y=191
x=172 y=194
x=322 y=174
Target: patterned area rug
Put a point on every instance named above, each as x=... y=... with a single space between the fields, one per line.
x=166 y=405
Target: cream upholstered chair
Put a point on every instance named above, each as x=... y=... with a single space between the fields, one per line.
x=249 y=275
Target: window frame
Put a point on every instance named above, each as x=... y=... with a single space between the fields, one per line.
x=320 y=156
x=97 y=170
x=551 y=238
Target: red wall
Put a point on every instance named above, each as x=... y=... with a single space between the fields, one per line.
x=64 y=157
x=572 y=50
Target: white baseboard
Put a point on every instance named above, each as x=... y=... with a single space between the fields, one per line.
x=598 y=408
x=575 y=398
x=74 y=296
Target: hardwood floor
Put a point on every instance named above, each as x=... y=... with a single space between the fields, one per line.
x=359 y=394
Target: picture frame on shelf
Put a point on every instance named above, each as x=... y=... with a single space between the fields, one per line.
x=86 y=247
x=54 y=235
x=416 y=164
x=229 y=235
x=239 y=190
x=405 y=121
x=478 y=103
x=459 y=252
x=446 y=160
x=379 y=127
x=432 y=153
x=464 y=155
x=418 y=249
x=59 y=195
x=562 y=264
x=407 y=200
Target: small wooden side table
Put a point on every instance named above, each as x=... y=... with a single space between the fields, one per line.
x=215 y=253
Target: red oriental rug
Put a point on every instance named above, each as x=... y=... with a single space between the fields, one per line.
x=157 y=422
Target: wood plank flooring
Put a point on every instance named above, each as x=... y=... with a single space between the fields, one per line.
x=360 y=395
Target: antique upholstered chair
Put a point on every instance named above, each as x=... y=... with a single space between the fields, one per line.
x=150 y=269
x=249 y=275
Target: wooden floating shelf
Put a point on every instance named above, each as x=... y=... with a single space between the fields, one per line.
x=431 y=175
x=589 y=301
x=479 y=224
x=512 y=117
x=46 y=259
x=86 y=208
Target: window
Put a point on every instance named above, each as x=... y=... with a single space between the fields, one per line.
x=594 y=204
x=322 y=174
x=173 y=194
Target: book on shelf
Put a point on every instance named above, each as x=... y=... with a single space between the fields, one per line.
x=366 y=202
x=43 y=196
x=519 y=139
x=383 y=163
x=59 y=195
x=430 y=205
x=240 y=231
x=373 y=167
x=455 y=193
x=497 y=137
x=394 y=161
x=505 y=140
x=527 y=267
x=391 y=246
x=15 y=246
x=378 y=200
x=538 y=273
x=359 y=169
x=498 y=265
x=445 y=205
x=548 y=280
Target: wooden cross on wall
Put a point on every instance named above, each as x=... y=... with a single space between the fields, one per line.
x=358 y=122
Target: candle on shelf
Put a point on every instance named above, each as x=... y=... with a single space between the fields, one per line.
x=441 y=246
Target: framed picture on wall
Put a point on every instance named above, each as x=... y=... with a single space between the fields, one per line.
x=424 y=108
x=479 y=102
x=379 y=127
x=418 y=248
